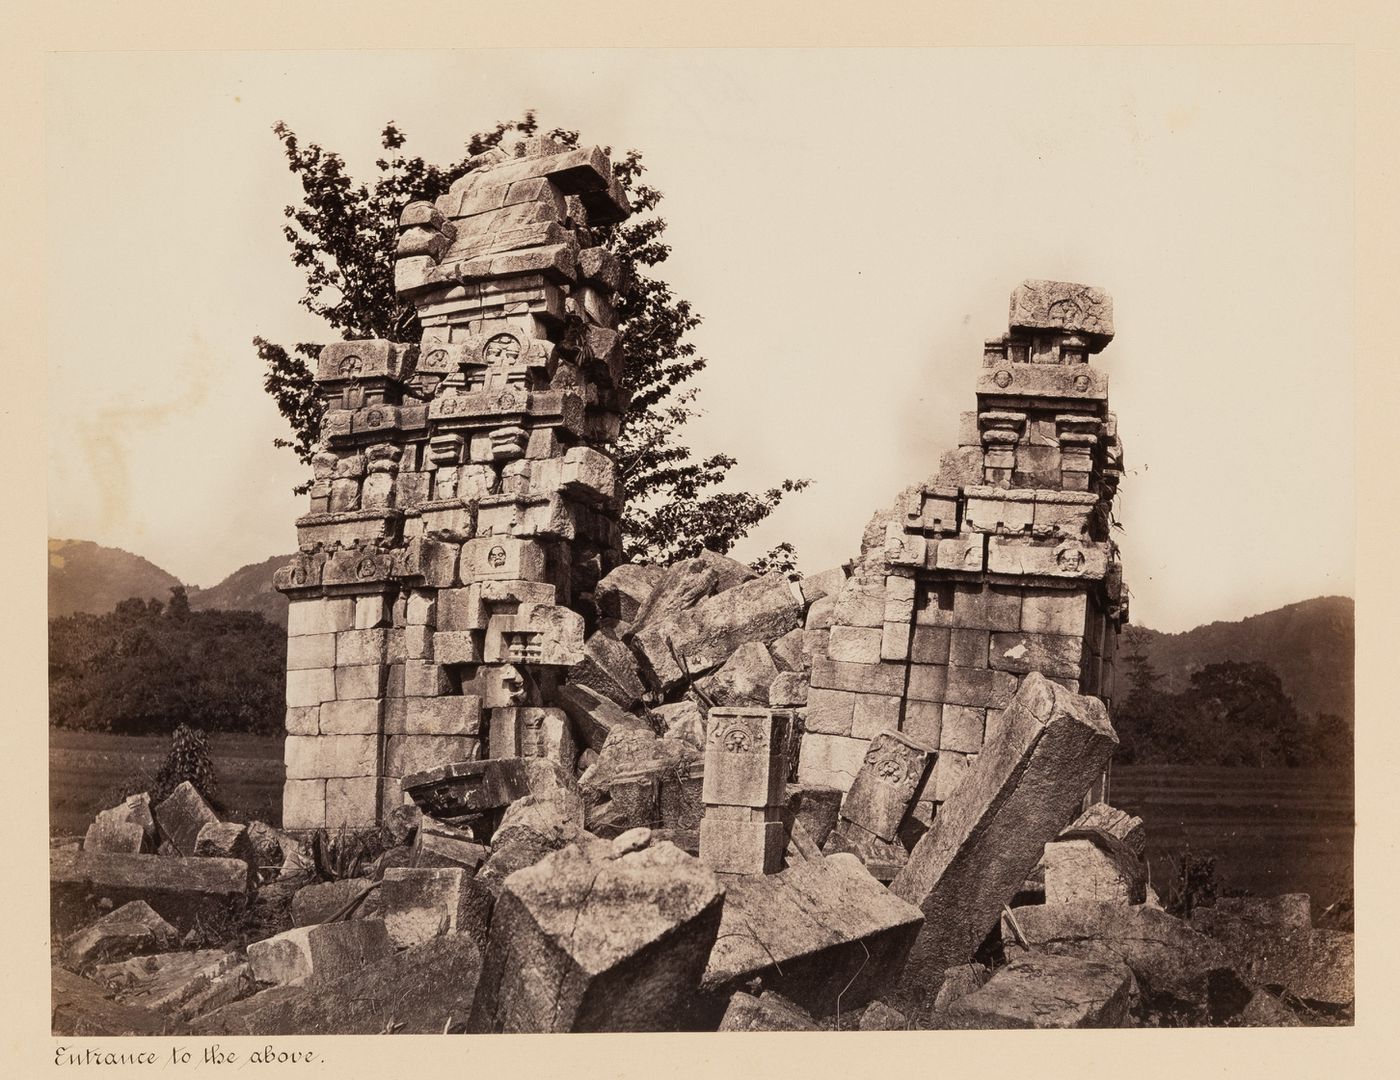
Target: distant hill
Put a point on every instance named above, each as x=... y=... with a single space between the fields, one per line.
x=1311 y=645
x=247 y=589
x=84 y=576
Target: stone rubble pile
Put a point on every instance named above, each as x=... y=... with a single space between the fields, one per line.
x=614 y=797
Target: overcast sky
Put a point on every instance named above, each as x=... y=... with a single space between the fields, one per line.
x=848 y=223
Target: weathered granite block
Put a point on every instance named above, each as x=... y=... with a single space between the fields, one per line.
x=1047 y=992
x=421 y=904
x=598 y=937
x=824 y=934
x=324 y=951
x=181 y=815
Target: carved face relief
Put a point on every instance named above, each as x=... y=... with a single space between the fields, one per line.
x=351 y=366
x=496 y=557
x=1069 y=557
x=501 y=350
x=1002 y=379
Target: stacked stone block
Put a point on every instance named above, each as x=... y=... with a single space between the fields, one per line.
x=465 y=503
x=744 y=790
x=999 y=566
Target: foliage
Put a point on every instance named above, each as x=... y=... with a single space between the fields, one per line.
x=343 y=237
x=343 y=855
x=1233 y=714
x=1190 y=885
x=147 y=667
x=188 y=759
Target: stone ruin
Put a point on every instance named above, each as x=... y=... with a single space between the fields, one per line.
x=465 y=506
x=620 y=797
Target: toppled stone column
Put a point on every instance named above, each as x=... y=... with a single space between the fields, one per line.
x=1000 y=565
x=1028 y=782
x=465 y=504
x=744 y=789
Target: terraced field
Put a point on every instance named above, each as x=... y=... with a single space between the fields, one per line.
x=1271 y=830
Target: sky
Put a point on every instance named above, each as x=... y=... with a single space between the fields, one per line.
x=849 y=224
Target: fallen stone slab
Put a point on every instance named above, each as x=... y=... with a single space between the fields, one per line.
x=1087 y=864
x=316 y=903
x=181 y=815
x=595 y=715
x=179 y=889
x=882 y=859
x=599 y=937
x=1265 y=1010
x=132 y=928
x=816 y=807
x=1184 y=977
x=683 y=720
x=608 y=668
x=425 y=990
x=958 y=982
x=651 y=778
x=225 y=840
x=165 y=981
x=220 y=989
x=321 y=952
x=624 y=589
x=1025 y=786
x=681 y=586
x=420 y=905
x=1269 y=939
x=769 y=1012
x=115 y=835
x=112 y=828
x=705 y=636
x=1046 y=992
x=742 y=680
x=824 y=934
x=881 y=1017
x=1329 y=979
x=82 y=1007
x=439 y=844
x=468 y=787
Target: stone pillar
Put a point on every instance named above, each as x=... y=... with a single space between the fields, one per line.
x=465 y=503
x=1000 y=565
x=744 y=790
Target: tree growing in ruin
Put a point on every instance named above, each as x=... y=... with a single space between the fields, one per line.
x=342 y=237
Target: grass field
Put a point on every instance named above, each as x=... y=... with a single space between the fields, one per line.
x=87 y=770
x=1271 y=830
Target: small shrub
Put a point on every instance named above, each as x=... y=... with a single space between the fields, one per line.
x=1190 y=885
x=188 y=759
x=344 y=855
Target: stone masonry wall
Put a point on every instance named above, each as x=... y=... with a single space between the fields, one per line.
x=1001 y=565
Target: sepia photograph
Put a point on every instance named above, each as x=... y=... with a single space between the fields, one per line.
x=698 y=540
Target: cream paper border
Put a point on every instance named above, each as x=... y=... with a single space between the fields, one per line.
x=1368 y=30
